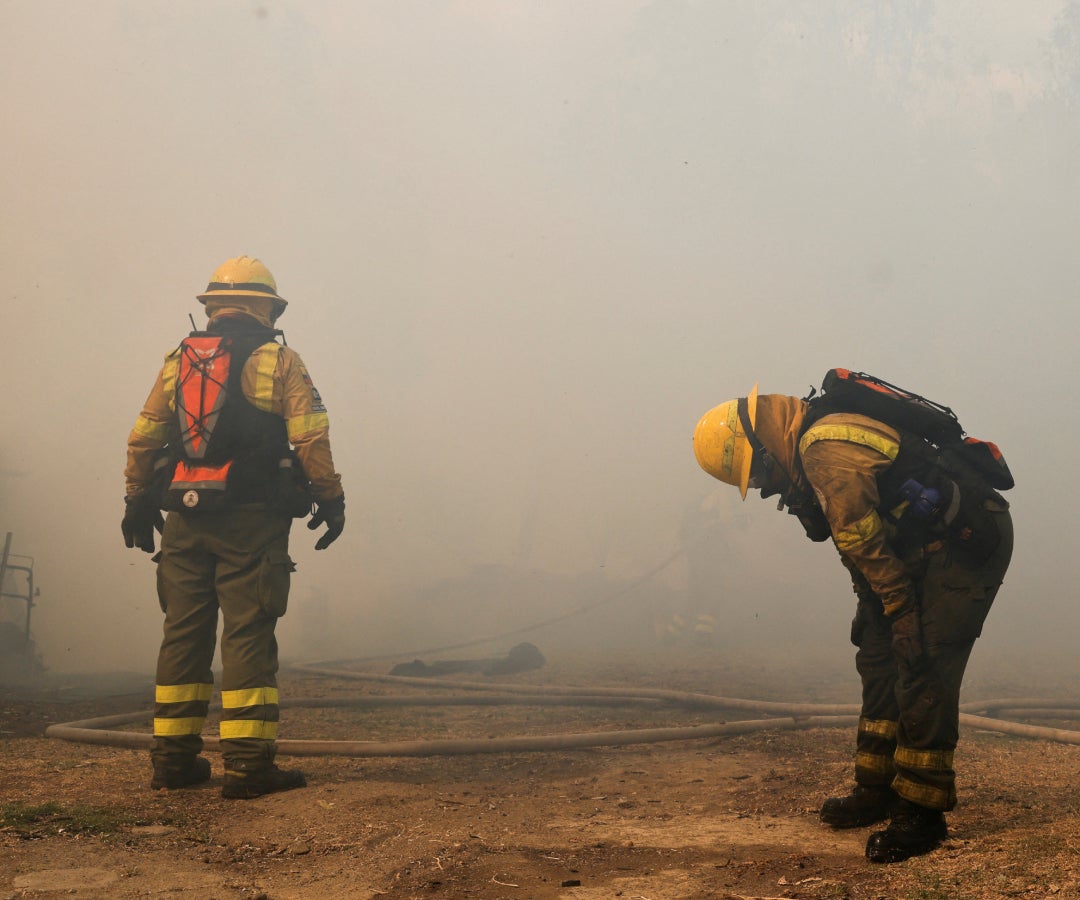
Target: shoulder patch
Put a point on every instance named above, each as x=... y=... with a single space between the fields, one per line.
x=317 y=404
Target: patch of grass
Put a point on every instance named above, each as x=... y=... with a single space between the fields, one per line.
x=932 y=891
x=39 y=820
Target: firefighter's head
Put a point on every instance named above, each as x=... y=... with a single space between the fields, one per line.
x=243 y=286
x=721 y=445
x=725 y=451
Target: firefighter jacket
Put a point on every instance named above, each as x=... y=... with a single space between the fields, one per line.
x=843 y=457
x=857 y=469
x=274 y=380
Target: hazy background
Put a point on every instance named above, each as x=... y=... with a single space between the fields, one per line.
x=526 y=245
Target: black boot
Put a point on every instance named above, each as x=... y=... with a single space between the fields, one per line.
x=240 y=785
x=173 y=775
x=913 y=831
x=863 y=806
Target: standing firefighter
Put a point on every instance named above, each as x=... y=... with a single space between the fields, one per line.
x=234 y=443
x=926 y=539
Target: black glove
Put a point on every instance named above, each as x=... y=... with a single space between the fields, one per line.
x=907 y=645
x=141 y=517
x=332 y=513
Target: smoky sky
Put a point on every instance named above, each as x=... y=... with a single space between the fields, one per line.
x=525 y=246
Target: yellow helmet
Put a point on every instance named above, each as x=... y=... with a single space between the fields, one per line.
x=720 y=443
x=244 y=276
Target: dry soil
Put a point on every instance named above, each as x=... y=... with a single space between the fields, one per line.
x=719 y=818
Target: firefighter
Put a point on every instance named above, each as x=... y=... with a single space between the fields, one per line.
x=923 y=590
x=233 y=442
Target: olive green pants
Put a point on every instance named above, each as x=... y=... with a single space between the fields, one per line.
x=236 y=562
x=909 y=724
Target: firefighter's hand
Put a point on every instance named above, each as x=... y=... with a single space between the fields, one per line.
x=907 y=645
x=332 y=514
x=141 y=517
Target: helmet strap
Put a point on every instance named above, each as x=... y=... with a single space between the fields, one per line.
x=799 y=500
x=790 y=495
x=760 y=454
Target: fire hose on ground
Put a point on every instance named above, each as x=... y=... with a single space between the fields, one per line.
x=782 y=717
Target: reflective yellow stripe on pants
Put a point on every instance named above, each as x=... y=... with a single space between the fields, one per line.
x=180 y=709
x=925 y=777
x=249 y=713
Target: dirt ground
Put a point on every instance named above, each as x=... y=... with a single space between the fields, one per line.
x=731 y=817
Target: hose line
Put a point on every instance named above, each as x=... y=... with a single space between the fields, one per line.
x=785 y=717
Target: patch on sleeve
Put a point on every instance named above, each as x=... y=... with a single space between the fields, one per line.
x=316 y=400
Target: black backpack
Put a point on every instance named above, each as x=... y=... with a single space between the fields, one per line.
x=856 y=392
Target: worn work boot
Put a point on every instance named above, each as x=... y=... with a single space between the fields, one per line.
x=248 y=785
x=170 y=777
x=863 y=806
x=913 y=831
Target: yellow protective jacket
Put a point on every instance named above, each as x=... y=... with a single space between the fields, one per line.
x=274 y=380
x=843 y=455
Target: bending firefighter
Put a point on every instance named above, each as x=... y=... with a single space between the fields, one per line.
x=926 y=541
x=234 y=443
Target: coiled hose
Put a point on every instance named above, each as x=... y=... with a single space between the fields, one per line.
x=783 y=717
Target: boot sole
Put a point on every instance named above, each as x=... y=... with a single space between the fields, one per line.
x=841 y=823
x=250 y=791
x=840 y=820
x=172 y=786
x=253 y=794
x=899 y=852
x=179 y=782
x=242 y=794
